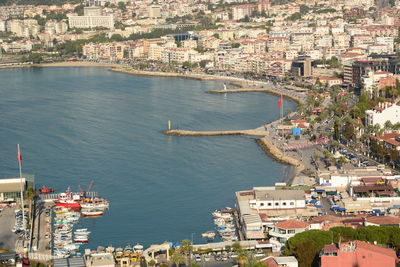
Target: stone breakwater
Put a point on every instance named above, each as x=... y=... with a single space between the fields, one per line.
x=215 y=133
x=278 y=155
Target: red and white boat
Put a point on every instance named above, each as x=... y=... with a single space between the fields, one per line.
x=81 y=239
x=69 y=200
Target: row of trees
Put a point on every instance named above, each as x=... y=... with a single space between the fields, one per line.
x=183 y=253
x=305 y=246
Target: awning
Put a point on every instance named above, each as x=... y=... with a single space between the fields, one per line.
x=313 y=201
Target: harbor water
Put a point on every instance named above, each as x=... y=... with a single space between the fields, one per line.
x=77 y=124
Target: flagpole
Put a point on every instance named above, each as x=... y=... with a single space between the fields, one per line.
x=21 y=188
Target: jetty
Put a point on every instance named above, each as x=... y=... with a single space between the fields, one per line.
x=252 y=132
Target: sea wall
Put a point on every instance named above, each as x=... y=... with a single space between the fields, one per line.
x=278 y=155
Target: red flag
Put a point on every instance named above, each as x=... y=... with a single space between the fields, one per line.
x=280 y=102
x=19 y=156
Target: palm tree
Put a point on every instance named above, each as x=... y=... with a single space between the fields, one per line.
x=177 y=258
x=186 y=247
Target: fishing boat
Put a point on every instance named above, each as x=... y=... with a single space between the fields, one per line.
x=69 y=200
x=95 y=204
x=208 y=235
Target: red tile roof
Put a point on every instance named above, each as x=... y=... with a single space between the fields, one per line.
x=331 y=248
x=292 y=224
x=375 y=248
x=383 y=220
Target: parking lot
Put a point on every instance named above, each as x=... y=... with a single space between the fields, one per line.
x=8 y=239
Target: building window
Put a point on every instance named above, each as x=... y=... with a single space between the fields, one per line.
x=277 y=203
x=284 y=203
x=269 y=204
x=261 y=204
x=291 y=203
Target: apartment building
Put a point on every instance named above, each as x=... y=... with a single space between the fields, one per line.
x=92 y=18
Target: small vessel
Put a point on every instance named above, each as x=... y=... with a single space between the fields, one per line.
x=81 y=239
x=208 y=235
x=95 y=205
x=138 y=247
x=46 y=190
x=88 y=213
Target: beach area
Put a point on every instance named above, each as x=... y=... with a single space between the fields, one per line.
x=266 y=142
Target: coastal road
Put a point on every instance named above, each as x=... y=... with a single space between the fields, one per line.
x=7 y=221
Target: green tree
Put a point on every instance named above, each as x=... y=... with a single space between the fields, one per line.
x=152 y=263
x=177 y=258
x=79 y=10
x=186 y=247
x=122 y=6
x=235 y=45
x=295 y=16
x=304 y=9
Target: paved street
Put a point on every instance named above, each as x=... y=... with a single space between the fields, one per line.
x=7 y=222
x=41 y=227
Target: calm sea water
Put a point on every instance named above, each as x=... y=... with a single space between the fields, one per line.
x=86 y=123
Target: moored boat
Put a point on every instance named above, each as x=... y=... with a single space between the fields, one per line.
x=208 y=235
x=88 y=213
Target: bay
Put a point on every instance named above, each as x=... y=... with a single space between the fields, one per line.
x=77 y=124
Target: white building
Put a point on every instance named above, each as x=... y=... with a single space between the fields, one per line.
x=3 y=25
x=284 y=230
x=267 y=199
x=154 y=11
x=55 y=27
x=92 y=18
x=382 y=113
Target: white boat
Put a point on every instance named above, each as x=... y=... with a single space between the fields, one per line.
x=208 y=235
x=81 y=230
x=95 y=205
x=138 y=247
x=88 y=213
x=82 y=233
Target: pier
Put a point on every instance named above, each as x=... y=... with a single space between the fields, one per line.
x=252 y=132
